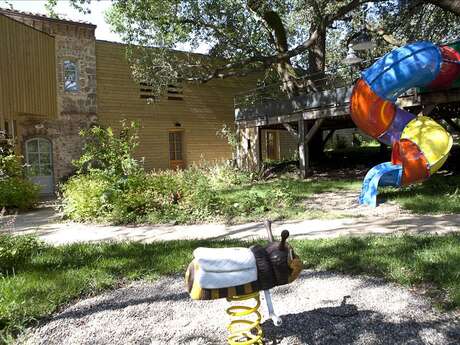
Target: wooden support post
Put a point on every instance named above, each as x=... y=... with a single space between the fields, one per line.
x=259 y=148
x=314 y=129
x=452 y=123
x=304 y=138
x=304 y=159
x=383 y=149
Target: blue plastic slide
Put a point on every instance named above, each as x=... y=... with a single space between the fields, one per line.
x=384 y=174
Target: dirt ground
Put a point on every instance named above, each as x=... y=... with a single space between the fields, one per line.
x=345 y=204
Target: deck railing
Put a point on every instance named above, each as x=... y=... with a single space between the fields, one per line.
x=315 y=90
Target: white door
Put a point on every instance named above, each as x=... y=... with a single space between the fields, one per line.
x=39 y=160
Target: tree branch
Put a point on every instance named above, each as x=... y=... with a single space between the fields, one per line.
x=317 y=9
x=448 y=5
x=389 y=38
x=266 y=61
x=258 y=18
x=345 y=9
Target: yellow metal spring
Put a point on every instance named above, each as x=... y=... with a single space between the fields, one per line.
x=245 y=331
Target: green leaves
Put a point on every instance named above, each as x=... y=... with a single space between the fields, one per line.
x=110 y=152
x=15 y=190
x=10 y=164
x=241 y=37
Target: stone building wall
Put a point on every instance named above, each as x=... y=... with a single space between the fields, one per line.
x=64 y=136
x=76 y=109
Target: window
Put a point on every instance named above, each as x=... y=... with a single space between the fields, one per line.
x=175 y=93
x=175 y=146
x=9 y=131
x=39 y=157
x=146 y=92
x=70 y=76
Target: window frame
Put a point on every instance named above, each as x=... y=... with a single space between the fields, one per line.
x=39 y=152
x=65 y=64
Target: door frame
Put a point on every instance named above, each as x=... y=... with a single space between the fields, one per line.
x=276 y=144
x=26 y=158
x=174 y=163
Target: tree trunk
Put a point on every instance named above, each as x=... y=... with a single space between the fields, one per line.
x=316 y=67
x=288 y=77
x=317 y=53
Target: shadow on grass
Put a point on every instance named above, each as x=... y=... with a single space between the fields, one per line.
x=439 y=194
x=55 y=276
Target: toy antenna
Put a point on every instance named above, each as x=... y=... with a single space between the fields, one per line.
x=268 y=227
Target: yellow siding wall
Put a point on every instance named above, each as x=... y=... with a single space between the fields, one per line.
x=288 y=145
x=202 y=113
x=27 y=71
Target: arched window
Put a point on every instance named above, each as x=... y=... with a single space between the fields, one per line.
x=71 y=76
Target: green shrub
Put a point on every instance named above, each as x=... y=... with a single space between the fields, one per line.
x=84 y=197
x=10 y=166
x=225 y=175
x=184 y=196
x=18 y=192
x=15 y=190
x=112 y=187
x=108 y=151
x=16 y=250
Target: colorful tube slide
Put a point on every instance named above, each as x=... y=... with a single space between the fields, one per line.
x=420 y=145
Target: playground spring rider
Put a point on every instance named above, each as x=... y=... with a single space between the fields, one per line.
x=238 y=274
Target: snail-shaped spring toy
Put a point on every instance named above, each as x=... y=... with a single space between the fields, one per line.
x=239 y=274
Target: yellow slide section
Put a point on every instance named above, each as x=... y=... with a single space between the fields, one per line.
x=432 y=139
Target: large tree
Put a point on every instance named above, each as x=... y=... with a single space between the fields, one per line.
x=278 y=39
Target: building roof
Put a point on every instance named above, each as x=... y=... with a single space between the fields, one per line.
x=10 y=12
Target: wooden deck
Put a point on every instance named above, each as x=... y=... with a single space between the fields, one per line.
x=330 y=104
x=303 y=116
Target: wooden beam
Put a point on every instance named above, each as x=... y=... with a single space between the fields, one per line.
x=304 y=161
x=259 y=148
x=328 y=136
x=427 y=109
x=327 y=112
x=444 y=96
x=313 y=130
x=291 y=129
x=452 y=123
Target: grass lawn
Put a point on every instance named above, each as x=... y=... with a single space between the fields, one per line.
x=439 y=194
x=47 y=278
x=292 y=191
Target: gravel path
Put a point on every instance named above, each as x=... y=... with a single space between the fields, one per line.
x=315 y=310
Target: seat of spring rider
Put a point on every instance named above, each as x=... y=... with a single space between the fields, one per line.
x=224 y=267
